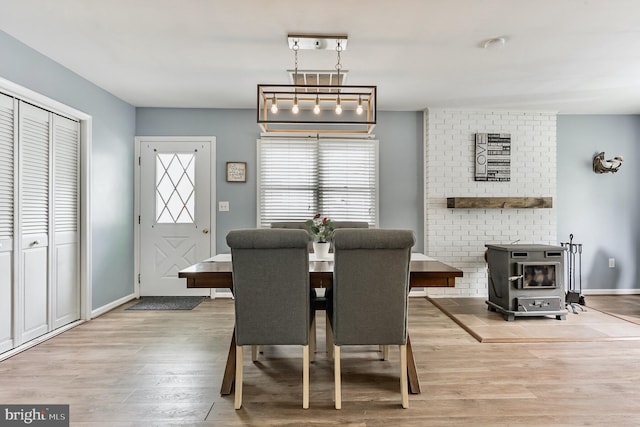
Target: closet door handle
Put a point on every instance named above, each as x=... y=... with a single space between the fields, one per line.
x=35 y=242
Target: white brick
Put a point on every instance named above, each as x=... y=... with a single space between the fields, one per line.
x=458 y=236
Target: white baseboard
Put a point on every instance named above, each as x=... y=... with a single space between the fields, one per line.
x=108 y=307
x=40 y=339
x=611 y=291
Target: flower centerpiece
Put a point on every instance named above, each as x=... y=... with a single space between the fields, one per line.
x=321 y=229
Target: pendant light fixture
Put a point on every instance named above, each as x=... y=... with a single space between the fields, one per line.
x=317 y=101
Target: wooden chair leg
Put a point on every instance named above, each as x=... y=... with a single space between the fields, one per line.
x=385 y=352
x=312 y=340
x=329 y=339
x=336 y=377
x=404 y=383
x=305 y=377
x=254 y=353
x=238 y=394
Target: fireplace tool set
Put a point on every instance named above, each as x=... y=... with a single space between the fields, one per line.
x=574 y=298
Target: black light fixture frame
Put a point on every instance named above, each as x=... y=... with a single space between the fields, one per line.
x=327 y=121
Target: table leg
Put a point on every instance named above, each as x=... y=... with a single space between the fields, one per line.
x=412 y=371
x=229 y=378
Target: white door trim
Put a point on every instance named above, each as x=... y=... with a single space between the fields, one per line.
x=136 y=221
x=86 y=138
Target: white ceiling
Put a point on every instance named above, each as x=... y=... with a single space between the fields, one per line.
x=570 y=56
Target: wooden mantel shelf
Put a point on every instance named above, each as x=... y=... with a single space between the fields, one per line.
x=499 y=202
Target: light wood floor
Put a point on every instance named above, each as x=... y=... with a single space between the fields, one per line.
x=142 y=368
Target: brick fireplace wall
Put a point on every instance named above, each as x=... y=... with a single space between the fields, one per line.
x=457 y=236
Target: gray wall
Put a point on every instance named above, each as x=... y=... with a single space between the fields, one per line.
x=236 y=132
x=112 y=158
x=602 y=211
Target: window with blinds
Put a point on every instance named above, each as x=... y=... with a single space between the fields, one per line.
x=298 y=178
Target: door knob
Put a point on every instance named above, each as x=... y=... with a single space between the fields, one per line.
x=205 y=230
x=35 y=242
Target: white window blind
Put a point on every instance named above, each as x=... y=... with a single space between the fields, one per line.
x=6 y=167
x=298 y=178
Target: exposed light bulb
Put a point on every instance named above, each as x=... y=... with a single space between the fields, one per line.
x=295 y=108
x=338 y=107
x=316 y=108
x=359 y=107
x=274 y=105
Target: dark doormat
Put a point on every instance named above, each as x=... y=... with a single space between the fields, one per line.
x=166 y=303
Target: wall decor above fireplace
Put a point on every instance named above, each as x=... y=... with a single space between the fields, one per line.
x=493 y=157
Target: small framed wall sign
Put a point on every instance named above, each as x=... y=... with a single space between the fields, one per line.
x=236 y=171
x=493 y=157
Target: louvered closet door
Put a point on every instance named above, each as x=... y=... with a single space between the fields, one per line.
x=66 y=286
x=34 y=137
x=7 y=191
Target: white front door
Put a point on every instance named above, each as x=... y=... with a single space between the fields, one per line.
x=176 y=181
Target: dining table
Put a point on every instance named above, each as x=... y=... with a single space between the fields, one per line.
x=216 y=272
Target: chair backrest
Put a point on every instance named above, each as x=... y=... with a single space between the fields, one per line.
x=350 y=224
x=337 y=224
x=271 y=286
x=303 y=226
x=371 y=285
x=296 y=225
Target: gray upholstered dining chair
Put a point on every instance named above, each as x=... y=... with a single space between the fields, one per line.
x=368 y=302
x=271 y=288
